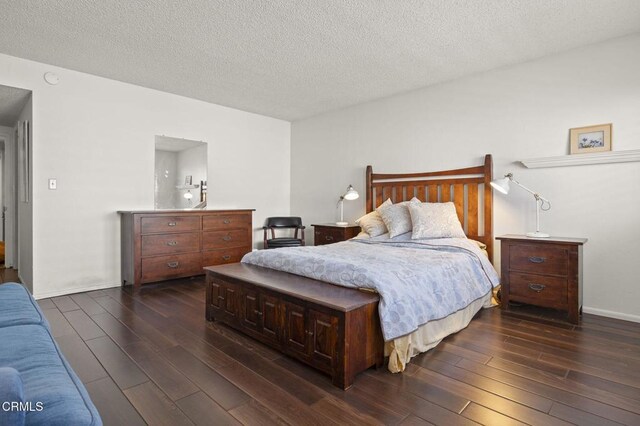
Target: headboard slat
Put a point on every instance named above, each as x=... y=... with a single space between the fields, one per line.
x=437 y=187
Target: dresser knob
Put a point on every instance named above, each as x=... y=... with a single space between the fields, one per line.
x=173 y=264
x=537 y=287
x=226 y=257
x=172 y=223
x=536 y=259
x=329 y=237
x=226 y=221
x=227 y=238
x=172 y=243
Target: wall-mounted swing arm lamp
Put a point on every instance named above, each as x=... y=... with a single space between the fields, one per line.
x=502 y=185
x=350 y=195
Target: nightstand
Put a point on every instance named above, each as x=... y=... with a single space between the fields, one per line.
x=327 y=233
x=544 y=272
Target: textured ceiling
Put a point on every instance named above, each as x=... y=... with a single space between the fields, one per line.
x=12 y=100
x=296 y=58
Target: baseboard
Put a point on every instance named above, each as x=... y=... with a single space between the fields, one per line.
x=611 y=314
x=66 y=292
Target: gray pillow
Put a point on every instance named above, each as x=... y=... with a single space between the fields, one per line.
x=396 y=217
x=372 y=223
x=435 y=220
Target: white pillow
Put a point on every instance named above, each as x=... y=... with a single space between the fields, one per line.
x=372 y=223
x=396 y=217
x=435 y=220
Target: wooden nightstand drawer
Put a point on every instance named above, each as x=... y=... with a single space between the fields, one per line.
x=331 y=233
x=539 y=259
x=539 y=290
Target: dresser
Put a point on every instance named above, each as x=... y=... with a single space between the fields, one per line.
x=159 y=245
x=544 y=272
x=327 y=233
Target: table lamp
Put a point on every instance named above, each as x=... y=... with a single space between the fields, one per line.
x=350 y=195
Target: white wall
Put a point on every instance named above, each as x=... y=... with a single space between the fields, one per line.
x=513 y=113
x=97 y=137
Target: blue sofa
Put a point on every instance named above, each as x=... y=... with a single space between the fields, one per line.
x=37 y=385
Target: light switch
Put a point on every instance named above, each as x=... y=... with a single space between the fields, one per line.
x=53 y=183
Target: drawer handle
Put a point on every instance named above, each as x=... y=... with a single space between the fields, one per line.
x=226 y=221
x=221 y=297
x=173 y=264
x=172 y=243
x=310 y=333
x=328 y=237
x=226 y=257
x=172 y=223
x=259 y=313
x=537 y=287
x=536 y=259
x=227 y=238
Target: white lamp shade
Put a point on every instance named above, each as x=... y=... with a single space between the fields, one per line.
x=351 y=194
x=501 y=184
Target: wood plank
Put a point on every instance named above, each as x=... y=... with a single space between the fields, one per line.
x=472 y=210
x=573 y=415
x=154 y=406
x=83 y=325
x=433 y=193
x=203 y=411
x=117 y=331
x=59 y=324
x=46 y=304
x=254 y=413
x=343 y=413
x=421 y=193
x=120 y=367
x=64 y=303
x=265 y=392
x=82 y=360
x=87 y=304
x=164 y=375
x=445 y=193
x=485 y=416
x=458 y=201
x=113 y=406
x=221 y=390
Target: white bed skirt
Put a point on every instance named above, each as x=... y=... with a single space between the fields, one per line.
x=401 y=350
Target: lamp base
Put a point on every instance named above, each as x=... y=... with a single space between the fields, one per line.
x=342 y=223
x=537 y=235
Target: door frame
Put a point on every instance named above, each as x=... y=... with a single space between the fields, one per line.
x=9 y=181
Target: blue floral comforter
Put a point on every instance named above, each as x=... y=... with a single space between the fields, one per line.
x=418 y=280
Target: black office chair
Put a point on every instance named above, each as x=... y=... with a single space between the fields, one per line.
x=273 y=223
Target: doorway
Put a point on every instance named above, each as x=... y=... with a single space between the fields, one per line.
x=15 y=165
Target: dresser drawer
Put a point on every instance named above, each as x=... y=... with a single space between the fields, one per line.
x=152 y=225
x=540 y=290
x=226 y=221
x=225 y=239
x=539 y=259
x=323 y=236
x=222 y=256
x=170 y=243
x=174 y=266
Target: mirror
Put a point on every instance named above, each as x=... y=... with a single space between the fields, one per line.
x=180 y=173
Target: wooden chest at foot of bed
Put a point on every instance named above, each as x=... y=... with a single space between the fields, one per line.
x=331 y=328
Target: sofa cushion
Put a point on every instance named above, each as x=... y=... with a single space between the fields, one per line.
x=47 y=378
x=11 y=397
x=18 y=307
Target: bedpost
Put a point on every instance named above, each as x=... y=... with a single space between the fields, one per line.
x=488 y=205
x=369 y=202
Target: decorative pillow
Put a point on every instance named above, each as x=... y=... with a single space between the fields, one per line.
x=372 y=223
x=396 y=217
x=435 y=220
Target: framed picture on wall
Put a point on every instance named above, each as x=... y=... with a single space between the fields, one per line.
x=591 y=139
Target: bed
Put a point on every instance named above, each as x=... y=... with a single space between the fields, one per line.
x=286 y=298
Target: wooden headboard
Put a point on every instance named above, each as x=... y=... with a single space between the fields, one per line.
x=467 y=188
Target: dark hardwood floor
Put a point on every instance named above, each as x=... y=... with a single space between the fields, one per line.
x=150 y=357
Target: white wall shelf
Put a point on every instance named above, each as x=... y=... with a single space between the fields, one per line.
x=583 y=159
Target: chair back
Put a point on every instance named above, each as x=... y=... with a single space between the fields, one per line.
x=283 y=222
